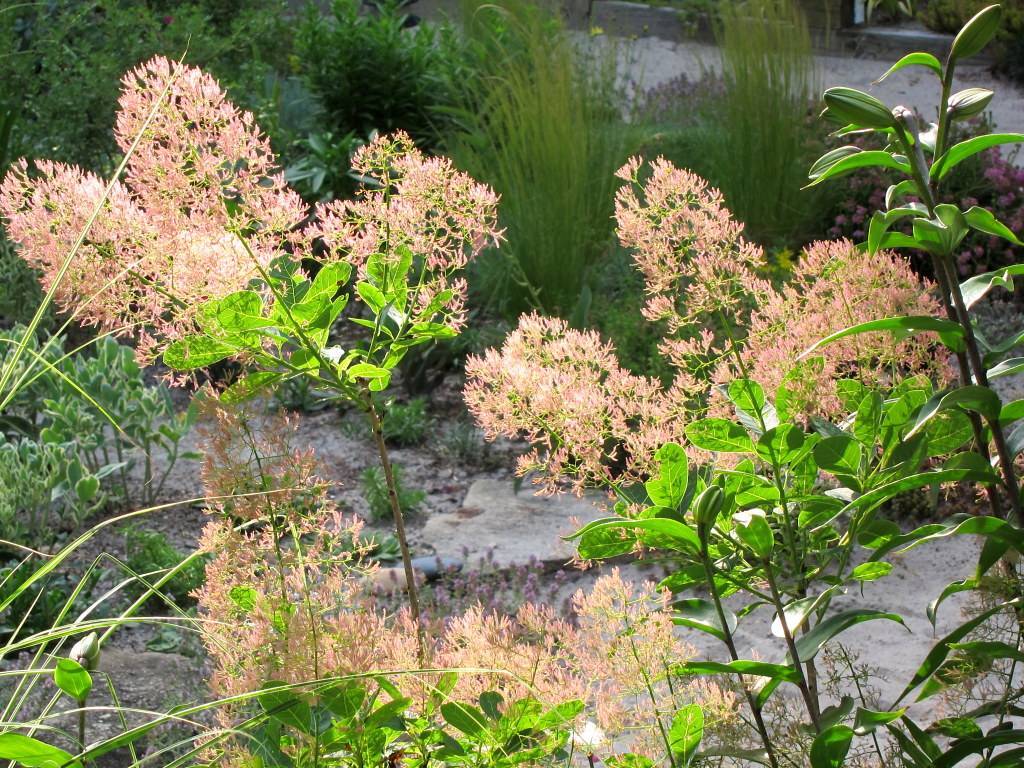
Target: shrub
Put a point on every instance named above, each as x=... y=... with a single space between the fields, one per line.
x=376 y=493
x=149 y=554
x=45 y=491
x=542 y=125
x=406 y=423
x=371 y=73
x=66 y=58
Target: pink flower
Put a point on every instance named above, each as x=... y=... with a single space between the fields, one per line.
x=420 y=205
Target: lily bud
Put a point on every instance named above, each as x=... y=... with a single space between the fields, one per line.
x=707 y=507
x=968 y=103
x=86 y=651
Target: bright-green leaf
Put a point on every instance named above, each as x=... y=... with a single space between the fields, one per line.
x=830 y=747
x=286 y=707
x=719 y=435
x=686 y=732
x=194 y=352
x=969 y=147
x=755 y=532
x=871 y=571
x=668 y=488
x=1005 y=368
x=464 y=717
x=73 y=679
x=919 y=59
x=982 y=220
x=702 y=615
x=33 y=753
x=867 y=720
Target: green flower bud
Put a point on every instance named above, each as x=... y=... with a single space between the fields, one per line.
x=86 y=651
x=968 y=102
x=707 y=507
x=858 y=108
x=976 y=33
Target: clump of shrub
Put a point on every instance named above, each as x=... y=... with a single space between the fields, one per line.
x=375 y=493
x=406 y=423
x=65 y=58
x=369 y=72
x=150 y=555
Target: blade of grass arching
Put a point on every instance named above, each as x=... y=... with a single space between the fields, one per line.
x=30 y=331
x=66 y=551
x=120 y=715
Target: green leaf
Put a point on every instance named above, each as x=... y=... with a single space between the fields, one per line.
x=33 y=753
x=702 y=615
x=241 y=311
x=686 y=732
x=982 y=220
x=919 y=59
x=668 y=489
x=601 y=543
x=371 y=296
x=86 y=488
x=871 y=571
x=967 y=148
x=840 y=455
x=666 y=531
x=1005 y=368
x=781 y=445
x=808 y=645
x=975 y=398
x=719 y=435
x=867 y=720
x=464 y=717
x=853 y=106
x=194 y=352
x=976 y=33
x=249 y=386
x=286 y=707
x=957 y=728
x=829 y=748
x=755 y=532
x=868 y=420
x=73 y=679
x=976 y=287
x=947 y=330
x=856 y=160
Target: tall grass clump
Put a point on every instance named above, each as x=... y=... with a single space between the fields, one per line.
x=755 y=144
x=541 y=125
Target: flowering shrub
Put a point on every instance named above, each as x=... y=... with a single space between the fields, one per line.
x=767 y=498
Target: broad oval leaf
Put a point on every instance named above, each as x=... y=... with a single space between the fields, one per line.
x=830 y=747
x=719 y=436
x=73 y=679
x=686 y=732
x=33 y=753
x=194 y=352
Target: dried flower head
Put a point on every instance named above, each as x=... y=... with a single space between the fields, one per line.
x=835 y=285
x=563 y=390
x=201 y=208
x=414 y=207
